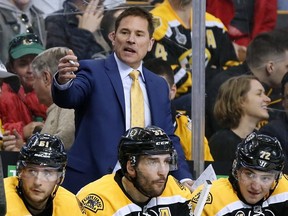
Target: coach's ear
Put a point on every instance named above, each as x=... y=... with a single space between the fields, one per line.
x=111 y=37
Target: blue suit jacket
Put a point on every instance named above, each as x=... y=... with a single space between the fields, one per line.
x=97 y=96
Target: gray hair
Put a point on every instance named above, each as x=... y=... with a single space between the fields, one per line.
x=48 y=60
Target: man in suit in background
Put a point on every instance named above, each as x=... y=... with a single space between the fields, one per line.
x=100 y=95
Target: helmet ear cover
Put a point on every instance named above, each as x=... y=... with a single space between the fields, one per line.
x=138 y=141
x=260 y=152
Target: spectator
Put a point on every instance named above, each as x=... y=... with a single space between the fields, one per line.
x=241 y=103
x=100 y=95
x=267 y=57
x=245 y=19
x=18 y=17
x=19 y=107
x=255 y=186
x=36 y=189
x=76 y=26
x=173 y=42
x=212 y=125
x=5 y=76
x=182 y=123
x=143 y=185
x=107 y=27
x=264 y=56
x=59 y=121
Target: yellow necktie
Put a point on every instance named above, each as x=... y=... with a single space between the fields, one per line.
x=137 y=101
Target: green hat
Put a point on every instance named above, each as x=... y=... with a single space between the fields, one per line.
x=25 y=44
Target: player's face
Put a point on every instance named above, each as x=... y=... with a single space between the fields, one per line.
x=255 y=185
x=38 y=183
x=256 y=102
x=131 y=41
x=152 y=173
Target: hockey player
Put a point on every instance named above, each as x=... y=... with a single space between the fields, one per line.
x=143 y=185
x=255 y=186
x=36 y=189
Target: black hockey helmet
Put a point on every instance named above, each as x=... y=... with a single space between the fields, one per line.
x=43 y=149
x=260 y=152
x=151 y=140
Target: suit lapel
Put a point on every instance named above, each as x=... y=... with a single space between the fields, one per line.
x=151 y=89
x=114 y=75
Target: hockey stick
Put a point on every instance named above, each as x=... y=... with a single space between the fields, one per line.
x=202 y=199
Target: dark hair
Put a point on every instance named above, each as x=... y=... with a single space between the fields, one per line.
x=161 y=68
x=108 y=23
x=137 y=12
x=265 y=47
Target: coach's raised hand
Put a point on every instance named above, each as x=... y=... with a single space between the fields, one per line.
x=66 y=67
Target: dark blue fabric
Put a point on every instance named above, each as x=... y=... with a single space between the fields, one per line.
x=97 y=96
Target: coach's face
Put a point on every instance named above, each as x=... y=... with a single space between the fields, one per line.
x=131 y=41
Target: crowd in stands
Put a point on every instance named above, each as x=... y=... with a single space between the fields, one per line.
x=69 y=71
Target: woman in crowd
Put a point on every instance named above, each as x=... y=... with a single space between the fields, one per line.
x=240 y=105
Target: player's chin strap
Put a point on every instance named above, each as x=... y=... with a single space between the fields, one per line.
x=60 y=182
x=55 y=190
x=275 y=185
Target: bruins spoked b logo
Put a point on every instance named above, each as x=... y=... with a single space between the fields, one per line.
x=208 y=200
x=93 y=202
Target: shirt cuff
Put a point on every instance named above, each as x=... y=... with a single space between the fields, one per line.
x=185 y=179
x=61 y=86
